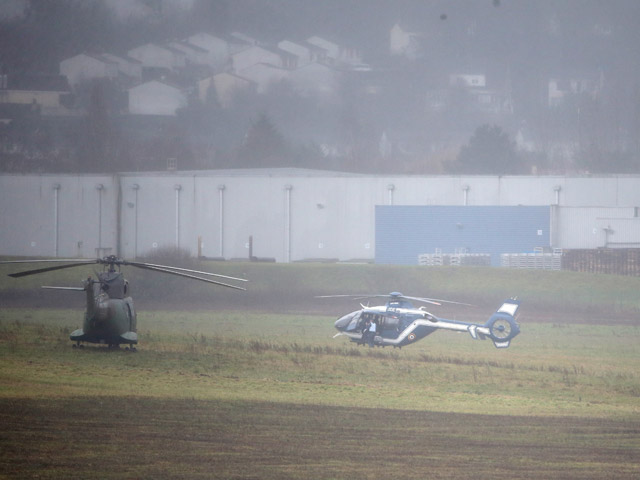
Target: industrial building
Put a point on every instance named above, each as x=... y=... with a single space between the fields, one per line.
x=292 y=215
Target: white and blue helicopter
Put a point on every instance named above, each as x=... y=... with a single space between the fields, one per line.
x=398 y=323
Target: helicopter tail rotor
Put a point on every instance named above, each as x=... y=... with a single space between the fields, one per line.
x=502 y=327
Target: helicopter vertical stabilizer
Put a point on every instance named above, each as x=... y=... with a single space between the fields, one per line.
x=502 y=326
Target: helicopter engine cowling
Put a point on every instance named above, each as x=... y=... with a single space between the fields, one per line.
x=103 y=308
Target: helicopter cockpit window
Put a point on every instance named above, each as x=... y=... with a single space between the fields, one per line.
x=348 y=322
x=354 y=321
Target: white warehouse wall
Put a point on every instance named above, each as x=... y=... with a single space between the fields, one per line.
x=57 y=215
x=292 y=214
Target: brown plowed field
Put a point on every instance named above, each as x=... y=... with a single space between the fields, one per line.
x=149 y=438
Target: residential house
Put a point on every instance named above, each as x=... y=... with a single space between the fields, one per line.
x=86 y=66
x=467 y=80
x=304 y=51
x=403 y=43
x=493 y=101
x=264 y=75
x=488 y=100
x=44 y=93
x=241 y=38
x=159 y=57
x=217 y=48
x=315 y=79
x=437 y=100
x=156 y=98
x=560 y=88
x=250 y=56
x=224 y=86
x=128 y=67
x=337 y=54
x=195 y=54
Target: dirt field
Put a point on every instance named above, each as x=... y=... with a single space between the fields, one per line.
x=111 y=437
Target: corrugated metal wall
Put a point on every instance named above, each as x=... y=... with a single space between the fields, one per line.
x=292 y=214
x=595 y=227
x=405 y=232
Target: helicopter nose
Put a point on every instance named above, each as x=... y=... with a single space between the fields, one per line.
x=343 y=322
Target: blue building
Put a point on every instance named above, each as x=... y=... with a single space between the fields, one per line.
x=403 y=233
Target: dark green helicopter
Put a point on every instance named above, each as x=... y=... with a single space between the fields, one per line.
x=110 y=317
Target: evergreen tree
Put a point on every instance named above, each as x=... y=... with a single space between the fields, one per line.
x=489 y=151
x=263 y=145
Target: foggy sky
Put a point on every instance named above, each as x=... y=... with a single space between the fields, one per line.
x=509 y=28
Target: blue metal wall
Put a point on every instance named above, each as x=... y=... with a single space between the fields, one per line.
x=404 y=232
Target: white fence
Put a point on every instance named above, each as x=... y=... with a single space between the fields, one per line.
x=454 y=259
x=537 y=260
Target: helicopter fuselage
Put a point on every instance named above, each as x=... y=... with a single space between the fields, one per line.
x=399 y=326
x=110 y=317
x=394 y=327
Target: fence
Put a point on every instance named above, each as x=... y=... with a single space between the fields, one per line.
x=617 y=261
x=539 y=260
x=455 y=259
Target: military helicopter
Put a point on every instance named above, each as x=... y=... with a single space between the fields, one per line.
x=399 y=323
x=110 y=317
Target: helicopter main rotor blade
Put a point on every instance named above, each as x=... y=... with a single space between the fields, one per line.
x=48 y=269
x=339 y=296
x=168 y=267
x=75 y=289
x=436 y=300
x=358 y=297
x=180 y=274
x=51 y=260
x=433 y=301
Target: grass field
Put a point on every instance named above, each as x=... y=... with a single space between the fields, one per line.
x=245 y=393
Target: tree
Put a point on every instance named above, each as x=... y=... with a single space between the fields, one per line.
x=592 y=159
x=96 y=143
x=99 y=141
x=489 y=151
x=263 y=145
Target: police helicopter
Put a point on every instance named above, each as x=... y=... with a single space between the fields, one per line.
x=398 y=323
x=110 y=317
